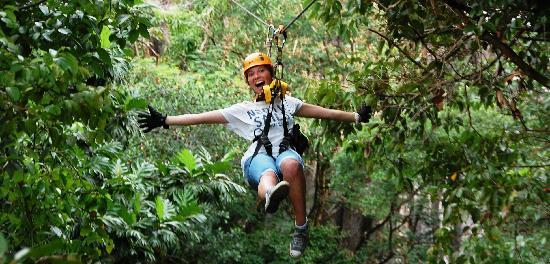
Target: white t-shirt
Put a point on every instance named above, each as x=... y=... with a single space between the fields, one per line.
x=247 y=120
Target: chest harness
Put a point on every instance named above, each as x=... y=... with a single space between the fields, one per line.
x=277 y=88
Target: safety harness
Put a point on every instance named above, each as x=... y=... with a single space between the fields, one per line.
x=276 y=88
x=296 y=139
x=263 y=139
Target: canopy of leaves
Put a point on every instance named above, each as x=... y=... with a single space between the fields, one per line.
x=452 y=167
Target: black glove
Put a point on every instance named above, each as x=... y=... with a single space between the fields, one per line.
x=365 y=112
x=152 y=120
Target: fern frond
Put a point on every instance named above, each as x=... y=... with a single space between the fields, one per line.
x=110 y=149
x=100 y=166
x=119 y=169
x=164 y=208
x=143 y=169
x=177 y=225
x=114 y=224
x=199 y=218
x=204 y=155
x=145 y=223
x=137 y=237
x=168 y=237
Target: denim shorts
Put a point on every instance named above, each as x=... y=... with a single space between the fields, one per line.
x=254 y=168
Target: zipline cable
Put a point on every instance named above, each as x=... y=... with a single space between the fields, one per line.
x=250 y=13
x=299 y=15
x=269 y=25
x=279 y=35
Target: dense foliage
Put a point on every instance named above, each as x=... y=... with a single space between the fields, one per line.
x=452 y=167
x=461 y=89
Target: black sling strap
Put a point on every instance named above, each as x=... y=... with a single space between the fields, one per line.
x=263 y=139
x=295 y=140
x=285 y=143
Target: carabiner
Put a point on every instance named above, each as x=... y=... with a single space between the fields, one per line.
x=269 y=38
x=278 y=42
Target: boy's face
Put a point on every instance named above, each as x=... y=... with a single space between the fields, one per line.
x=257 y=77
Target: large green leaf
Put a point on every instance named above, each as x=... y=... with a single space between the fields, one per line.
x=159 y=207
x=14 y=93
x=67 y=62
x=3 y=245
x=187 y=204
x=104 y=37
x=164 y=208
x=186 y=158
x=135 y=103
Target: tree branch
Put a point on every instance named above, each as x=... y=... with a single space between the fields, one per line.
x=421 y=38
x=392 y=43
x=530 y=166
x=515 y=58
x=27 y=6
x=535 y=39
x=502 y=47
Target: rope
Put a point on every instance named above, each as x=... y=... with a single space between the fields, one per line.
x=299 y=15
x=269 y=25
x=250 y=13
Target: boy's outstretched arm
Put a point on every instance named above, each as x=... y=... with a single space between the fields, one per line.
x=154 y=119
x=315 y=111
x=212 y=117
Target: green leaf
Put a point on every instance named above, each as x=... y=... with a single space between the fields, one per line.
x=96 y=66
x=133 y=35
x=135 y=103
x=123 y=18
x=64 y=31
x=44 y=9
x=164 y=208
x=104 y=56
x=490 y=26
x=104 y=37
x=189 y=209
x=159 y=207
x=3 y=245
x=229 y=155
x=136 y=203
x=218 y=167
x=21 y=254
x=47 y=249
x=109 y=245
x=188 y=205
x=186 y=158
x=14 y=93
x=494 y=234
x=67 y=62
x=143 y=31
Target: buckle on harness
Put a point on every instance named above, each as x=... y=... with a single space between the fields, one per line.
x=285 y=144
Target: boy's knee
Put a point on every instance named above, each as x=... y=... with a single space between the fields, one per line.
x=268 y=176
x=291 y=167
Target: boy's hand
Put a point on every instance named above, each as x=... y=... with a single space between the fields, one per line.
x=152 y=120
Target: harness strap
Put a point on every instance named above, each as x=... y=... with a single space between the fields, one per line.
x=263 y=139
x=286 y=142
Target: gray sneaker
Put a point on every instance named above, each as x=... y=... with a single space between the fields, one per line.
x=275 y=195
x=299 y=242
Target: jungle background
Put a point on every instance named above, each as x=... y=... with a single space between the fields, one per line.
x=452 y=168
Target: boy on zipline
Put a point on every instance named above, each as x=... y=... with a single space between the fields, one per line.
x=271 y=165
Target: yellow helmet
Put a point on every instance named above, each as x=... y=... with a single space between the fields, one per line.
x=255 y=59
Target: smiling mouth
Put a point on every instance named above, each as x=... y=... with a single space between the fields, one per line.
x=260 y=84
